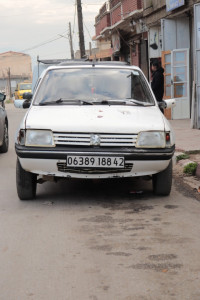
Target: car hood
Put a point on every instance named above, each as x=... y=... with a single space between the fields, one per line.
x=97 y=119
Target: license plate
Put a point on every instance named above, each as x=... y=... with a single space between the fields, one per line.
x=95 y=161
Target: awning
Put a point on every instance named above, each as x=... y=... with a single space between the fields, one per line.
x=102 y=54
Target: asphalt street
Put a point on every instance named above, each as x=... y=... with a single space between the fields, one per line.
x=96 y=239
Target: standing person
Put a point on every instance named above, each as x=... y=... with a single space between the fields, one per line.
x=157 y=83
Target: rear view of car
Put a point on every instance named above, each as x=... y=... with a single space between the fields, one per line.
x=93 y=121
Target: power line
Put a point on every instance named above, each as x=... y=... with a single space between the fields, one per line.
x=87 y=30
x=40 y=45
x=43 y=43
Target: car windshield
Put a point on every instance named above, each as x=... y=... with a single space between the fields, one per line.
x=94 y=85
x=25 y=86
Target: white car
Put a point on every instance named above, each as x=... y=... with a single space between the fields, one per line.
x=93 y=120
x=4 y=138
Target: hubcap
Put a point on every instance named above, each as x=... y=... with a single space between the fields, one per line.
x=6 y=134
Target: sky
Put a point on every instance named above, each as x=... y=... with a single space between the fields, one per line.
x=41 y=27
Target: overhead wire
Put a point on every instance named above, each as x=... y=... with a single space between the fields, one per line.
x=55 y=38
x=40 y=45
x=43 y=43
x=87 y=30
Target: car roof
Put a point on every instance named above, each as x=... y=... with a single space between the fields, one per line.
x=94 y=63
x=89 y=64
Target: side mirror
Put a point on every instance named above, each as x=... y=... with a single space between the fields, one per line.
x=2 y=97
x=18 y=103
x=27 y=96
x=170 y=103
x=27 y=103
x=167 y=103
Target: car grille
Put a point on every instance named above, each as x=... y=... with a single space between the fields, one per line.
x=62 y=167
x=105 y=140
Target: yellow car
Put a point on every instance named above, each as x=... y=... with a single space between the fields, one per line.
x=21 y=88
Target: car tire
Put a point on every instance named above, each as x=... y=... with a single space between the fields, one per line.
x=4 y=147
x=162 y=182
x=26 y=183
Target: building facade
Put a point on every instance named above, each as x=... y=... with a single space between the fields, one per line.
x=140 y=31
x=172 y=38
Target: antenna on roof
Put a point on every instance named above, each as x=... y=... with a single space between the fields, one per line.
x=94 y=61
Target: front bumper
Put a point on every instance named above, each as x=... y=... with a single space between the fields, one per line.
x=52 y=161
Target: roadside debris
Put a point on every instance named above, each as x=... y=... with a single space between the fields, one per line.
x=165 y=270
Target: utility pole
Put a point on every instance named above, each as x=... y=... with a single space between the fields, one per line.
x=9 y=84
x=90 y=47
x=70 y=41
x=80 y=29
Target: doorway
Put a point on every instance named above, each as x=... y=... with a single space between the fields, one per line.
x=176 y=82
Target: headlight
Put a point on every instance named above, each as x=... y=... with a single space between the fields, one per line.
x=151 y=139
x=42 y=138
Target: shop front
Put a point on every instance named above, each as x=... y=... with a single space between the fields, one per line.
x=176 y=63
x=196 y=104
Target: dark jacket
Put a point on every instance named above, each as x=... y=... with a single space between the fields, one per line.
x=157 y=84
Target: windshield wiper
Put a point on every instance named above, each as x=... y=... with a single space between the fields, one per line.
x=124 y=102
x=103 y=102
x=61 y=100
x=137 y=102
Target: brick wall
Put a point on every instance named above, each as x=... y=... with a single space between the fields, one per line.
x=113 y=3
x=116 y=15
x=102 y=20
x=130 y=5
x=103 y=9
x=102 y=23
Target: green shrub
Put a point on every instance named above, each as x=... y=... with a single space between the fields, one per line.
x=8 y=101
x=182 y=156
x=190 y=169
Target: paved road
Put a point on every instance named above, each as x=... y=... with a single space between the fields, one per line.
x=96 y=240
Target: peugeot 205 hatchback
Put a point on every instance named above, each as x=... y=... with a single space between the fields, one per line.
x=93 y=120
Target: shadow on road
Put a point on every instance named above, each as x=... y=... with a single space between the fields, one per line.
x=95 y=192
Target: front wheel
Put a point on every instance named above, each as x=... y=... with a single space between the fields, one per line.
x=26 y=183
x=162 y=182
x=4 y=147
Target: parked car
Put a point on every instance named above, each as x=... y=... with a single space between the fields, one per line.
x=21 y=88
x=93 y=120
x=4 y=140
